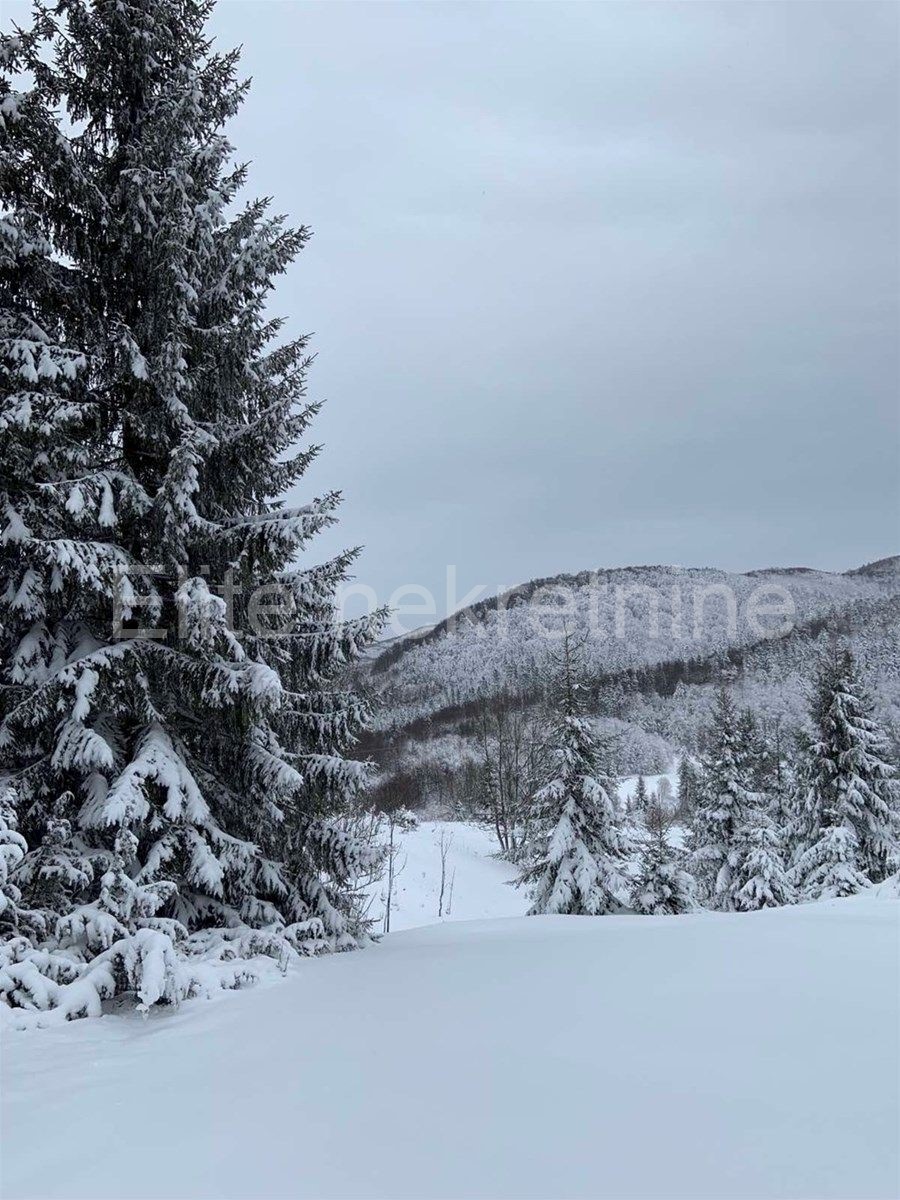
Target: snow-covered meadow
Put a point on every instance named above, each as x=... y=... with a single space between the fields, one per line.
x=745 y=1055
x=476 y=883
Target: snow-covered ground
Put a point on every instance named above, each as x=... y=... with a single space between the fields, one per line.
x=476 y=883
x=751 y=1056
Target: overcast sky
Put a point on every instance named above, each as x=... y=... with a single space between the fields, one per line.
x=592 y=284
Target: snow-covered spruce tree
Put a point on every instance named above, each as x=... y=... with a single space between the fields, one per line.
x=723 y=798
x=688 y=783
x=779 y=781
x=640 y=800
x=753 y=751
x=828 y=866
x=760 y=879
x=846 y=804
x=172 y=750
x=14 y=919
x=662 y=885
x=575 y=863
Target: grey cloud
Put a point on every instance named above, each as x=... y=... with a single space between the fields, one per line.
x=592 y=283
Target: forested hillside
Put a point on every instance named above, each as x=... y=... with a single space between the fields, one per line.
x=657 y=641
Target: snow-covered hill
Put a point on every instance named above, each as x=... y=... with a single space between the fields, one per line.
x=746 y=1056
x=627 y=618
x=653 y=669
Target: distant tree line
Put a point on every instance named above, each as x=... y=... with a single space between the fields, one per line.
x=770 y=820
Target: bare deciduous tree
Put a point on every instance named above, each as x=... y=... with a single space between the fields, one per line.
x=512 y=759
x=397 y=821
x=445 y=841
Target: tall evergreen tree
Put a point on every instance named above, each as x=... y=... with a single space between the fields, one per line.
x=575 y=865
x=174 y=738
x=722 y=802
x=847 y=815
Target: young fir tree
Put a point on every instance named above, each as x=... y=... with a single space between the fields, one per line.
x=847 y=817
x=177 y=755
x=753 y=751
x=641 y=800
x=662 y=885
x=723 y=799
x=779 y=781
x=687 y=784
x=575 y=865
x=760 y=876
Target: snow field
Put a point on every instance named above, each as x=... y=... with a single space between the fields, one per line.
x=747 y=1056
x=476 y=883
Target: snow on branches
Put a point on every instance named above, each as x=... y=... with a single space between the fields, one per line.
x=575 y=861
x=174 y=763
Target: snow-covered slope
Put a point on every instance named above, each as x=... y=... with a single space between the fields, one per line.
x=652 y=667
x=476 y=883
x=628 y=619
x=706 y=1056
